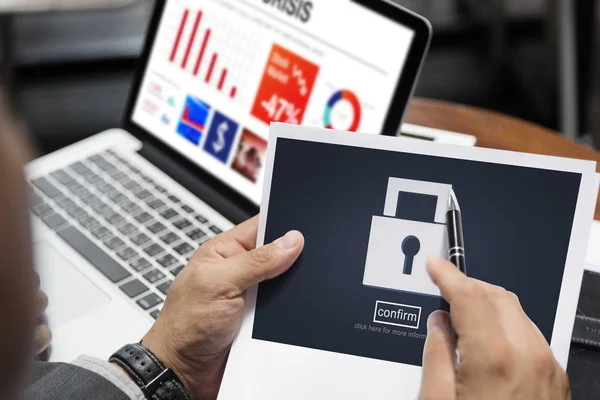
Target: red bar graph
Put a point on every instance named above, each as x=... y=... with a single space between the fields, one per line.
x=223 y=77
x=179 y=33
x=190 y=52
x=211 y=68
x=202 y=51
x=192 y=38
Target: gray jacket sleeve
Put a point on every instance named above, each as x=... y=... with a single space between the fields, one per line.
x=86 y=378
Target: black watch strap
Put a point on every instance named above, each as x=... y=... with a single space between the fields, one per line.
x=156 y=381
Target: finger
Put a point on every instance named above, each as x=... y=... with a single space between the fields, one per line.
x=446 y=276
x=438 y=378
x=41 y=302
x=42 y=339
x=267 y=262
x=229 y=244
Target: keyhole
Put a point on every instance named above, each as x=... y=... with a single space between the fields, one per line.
x=410 y=247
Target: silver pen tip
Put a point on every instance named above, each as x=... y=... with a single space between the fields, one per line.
x=453 y=202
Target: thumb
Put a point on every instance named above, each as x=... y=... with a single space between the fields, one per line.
x=438 y=381
x=264 y=263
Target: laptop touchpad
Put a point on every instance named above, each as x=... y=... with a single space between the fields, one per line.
x=71 y=295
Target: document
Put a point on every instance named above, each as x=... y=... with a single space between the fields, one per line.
x=348 y=320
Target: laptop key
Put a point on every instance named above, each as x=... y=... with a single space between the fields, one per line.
x=160 y=189
x=96 y=158
x=92 y=178
x=149 y=301
x=183 y=249
x=76 y=212
x=65 y=203
x=187 y=209
x=170 y=238
x=127 y=254
x=106 y=188
x=176 y=271
x=130 y=207
x=45 y=186
x=169 y=214
x=156 y=204
x=101 y=208
x=79 y=167
x=113 y=243
x=143 y=217
x=42 y=210
x=127 y=229
x=174 y=199
x=153 y=250
x=114 y=218
x=196 y=234
x=140 y=239
x=54 y=221
x=215 y=230
x=134 y=288
x=94 y=254
x=82 y=217
x=154 y=314
x=140 y=264
x=116 y=174
x=101 y=233
x=142 y=194
x=117 y=197
x=62 y=176
x=167 y=261
x=156 y=228
x=201 y=219
x=154 y=276
x=90 y=223
x=164 y=287
x=182 y=224
x=91 y=199
x=131 y=185
x=106 y=166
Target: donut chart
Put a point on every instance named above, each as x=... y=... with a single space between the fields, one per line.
x=350 y=97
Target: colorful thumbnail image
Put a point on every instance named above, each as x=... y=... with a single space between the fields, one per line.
x=286 y=86
x=193 y=121
x=221 y=136
x=250 y=157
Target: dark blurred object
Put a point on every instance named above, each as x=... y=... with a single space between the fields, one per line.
x=590 y=64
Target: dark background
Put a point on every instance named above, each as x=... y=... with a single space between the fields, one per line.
x=517 y=224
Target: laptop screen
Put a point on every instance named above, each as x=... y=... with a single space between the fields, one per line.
x=220 y=71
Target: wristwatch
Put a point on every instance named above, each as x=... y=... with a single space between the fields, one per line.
x=155 y=380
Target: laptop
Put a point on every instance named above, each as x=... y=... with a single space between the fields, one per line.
x=117 y=216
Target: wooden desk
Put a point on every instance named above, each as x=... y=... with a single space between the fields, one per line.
x=497 y=131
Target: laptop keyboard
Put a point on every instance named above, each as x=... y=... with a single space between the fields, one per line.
x=127 y=225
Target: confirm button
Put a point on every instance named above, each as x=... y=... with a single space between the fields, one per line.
x=397 y=314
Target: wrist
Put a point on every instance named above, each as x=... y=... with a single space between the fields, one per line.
x=155 y=380
x=200 y=375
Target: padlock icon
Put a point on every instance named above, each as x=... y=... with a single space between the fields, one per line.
x=398 y=248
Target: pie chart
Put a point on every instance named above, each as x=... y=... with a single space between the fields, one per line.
x=338 y=97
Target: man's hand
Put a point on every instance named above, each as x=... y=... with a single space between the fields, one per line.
x=503 y=355
x=204 y=308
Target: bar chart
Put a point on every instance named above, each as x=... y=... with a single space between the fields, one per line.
x=215 y=49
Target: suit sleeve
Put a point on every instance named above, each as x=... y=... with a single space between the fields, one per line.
x=86 y=378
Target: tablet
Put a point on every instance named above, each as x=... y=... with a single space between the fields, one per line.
x=348 y=320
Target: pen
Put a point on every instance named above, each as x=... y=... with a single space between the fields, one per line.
x=456 y=244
